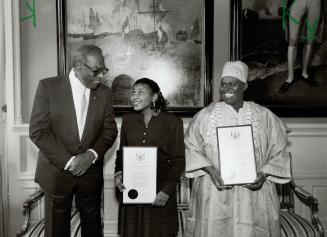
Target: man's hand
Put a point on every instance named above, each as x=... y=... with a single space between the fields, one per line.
x=216 y=179
x=119 y=182
x=161 y=199
x=261 y=178
x=81 y=163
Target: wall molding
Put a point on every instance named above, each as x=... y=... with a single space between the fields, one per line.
x=307 y=129
x=297 y=129
x=109 y=179
x=13 y=60
x=312 y=176
x=110 y=234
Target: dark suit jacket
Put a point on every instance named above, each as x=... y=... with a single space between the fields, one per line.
x=53 y=128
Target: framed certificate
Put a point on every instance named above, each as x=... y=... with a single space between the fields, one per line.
x=139 y=174
x=236 y=154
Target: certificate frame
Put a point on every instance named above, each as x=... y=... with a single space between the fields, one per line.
x=140 y=182
x=236 y=133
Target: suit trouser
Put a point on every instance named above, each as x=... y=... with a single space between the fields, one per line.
x=88 y=202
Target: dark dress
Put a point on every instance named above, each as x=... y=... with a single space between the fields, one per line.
x=164 y=131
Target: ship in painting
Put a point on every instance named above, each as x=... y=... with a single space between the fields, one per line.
x=87 y=29
x=146 y=17
x=132 y=18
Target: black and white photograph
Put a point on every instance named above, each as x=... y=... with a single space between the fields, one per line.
x=163 y=118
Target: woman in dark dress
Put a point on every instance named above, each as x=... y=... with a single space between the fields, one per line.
x=148 y=126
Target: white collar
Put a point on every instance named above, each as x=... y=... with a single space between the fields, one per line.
x=75 y=82
x=243 y=108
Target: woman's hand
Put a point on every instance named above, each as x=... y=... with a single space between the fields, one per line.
x=119 y=182
x=261 y=178
x=161 y=199
x=216 y=179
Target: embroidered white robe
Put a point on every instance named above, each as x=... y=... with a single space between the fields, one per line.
x=238 y=212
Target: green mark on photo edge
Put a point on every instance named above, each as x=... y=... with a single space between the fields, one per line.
x=311 y=29
x=286 y=14
x=32 y=10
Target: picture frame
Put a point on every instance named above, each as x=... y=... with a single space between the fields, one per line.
x=259 y=33
x=236 y=157
x=166 y=41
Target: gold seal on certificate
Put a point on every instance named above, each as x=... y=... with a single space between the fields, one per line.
x=236 y=154
x=139 y=174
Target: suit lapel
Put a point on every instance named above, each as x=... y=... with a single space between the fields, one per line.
x=69 y=111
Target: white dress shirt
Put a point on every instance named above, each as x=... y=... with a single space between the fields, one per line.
x=78 y=91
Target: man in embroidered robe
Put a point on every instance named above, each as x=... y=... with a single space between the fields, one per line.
x=250 y=210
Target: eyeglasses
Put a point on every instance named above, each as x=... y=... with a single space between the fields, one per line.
x=97 y=72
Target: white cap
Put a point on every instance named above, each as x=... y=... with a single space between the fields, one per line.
x=236 y=69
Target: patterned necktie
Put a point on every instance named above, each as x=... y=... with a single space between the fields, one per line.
x=83 y=113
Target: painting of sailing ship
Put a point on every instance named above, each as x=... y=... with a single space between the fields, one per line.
x=159 y=39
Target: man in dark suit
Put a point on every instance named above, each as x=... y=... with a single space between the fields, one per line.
x=72 y=123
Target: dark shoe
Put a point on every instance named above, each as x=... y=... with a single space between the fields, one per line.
x=310 y=81
x=284 y=88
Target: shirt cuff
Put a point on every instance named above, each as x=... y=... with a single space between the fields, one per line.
x=95 y=154
x=118 y=173
x=69 y=162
